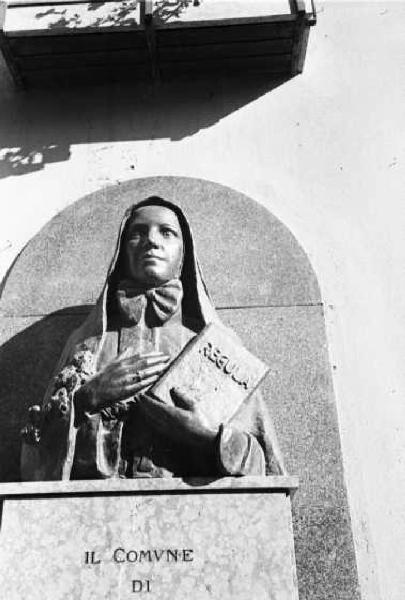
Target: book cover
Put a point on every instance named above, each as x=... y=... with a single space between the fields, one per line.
x=217 y=371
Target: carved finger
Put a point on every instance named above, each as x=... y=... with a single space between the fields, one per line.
x=130 y=371
x=152 y=354
x=134 y=388
x=151 y=361
x=156 y=370
x=133 y=376
x=145 y=361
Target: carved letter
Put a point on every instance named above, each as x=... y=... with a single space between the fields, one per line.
x=116 y=555
x=90 y=559
x=236 y=374
x=145 y=554
x=216 y=354
x=246 y=382
x=186 y=555
x=140 y=586
x=132 y=556
x=229 y=367
x=207 y=350
x=172 y=553
x=222 y=361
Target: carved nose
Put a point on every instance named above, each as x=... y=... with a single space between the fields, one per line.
x=152 y=239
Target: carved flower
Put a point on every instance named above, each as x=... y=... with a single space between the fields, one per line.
x=65 y=383
x=67 y=378
x=83 y=361
x=60 y=401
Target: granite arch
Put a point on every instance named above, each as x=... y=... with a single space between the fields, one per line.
x=265 y=288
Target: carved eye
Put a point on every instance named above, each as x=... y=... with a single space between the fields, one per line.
x=167 y=232
x=135 y=234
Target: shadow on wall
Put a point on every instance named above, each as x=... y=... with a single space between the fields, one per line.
x=26 y=380
x=120 y=15
x=39 y=127
x=123 y=14
x=166 y=10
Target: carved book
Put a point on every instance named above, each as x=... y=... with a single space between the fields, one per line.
x=217 y=371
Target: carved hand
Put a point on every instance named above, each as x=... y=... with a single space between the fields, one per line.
x=183 y=423
x=121 y=379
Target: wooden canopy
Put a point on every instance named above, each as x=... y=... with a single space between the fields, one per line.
x=63 y=41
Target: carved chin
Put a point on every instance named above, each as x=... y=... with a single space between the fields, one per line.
x=154 y=269
x=155 y=273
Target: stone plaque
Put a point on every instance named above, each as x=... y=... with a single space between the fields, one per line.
x=231 y=539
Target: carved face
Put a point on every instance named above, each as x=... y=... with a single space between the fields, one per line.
x=153 y=246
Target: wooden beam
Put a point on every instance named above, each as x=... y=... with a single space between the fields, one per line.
x=5 y=49
x=147 y=8
x=234 y=49
x=83 y=42
x=80 y=60
x=297 y=6
x=223 y=23
x=231 y=33
x=87 y=75
x=300 y=44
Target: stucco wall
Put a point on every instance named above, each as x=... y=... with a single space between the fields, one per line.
x=325 y=153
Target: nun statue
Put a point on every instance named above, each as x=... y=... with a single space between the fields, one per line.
x=97 y=420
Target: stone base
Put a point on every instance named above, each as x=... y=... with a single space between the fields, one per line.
x=149 y=539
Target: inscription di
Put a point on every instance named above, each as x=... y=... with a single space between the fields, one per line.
x=139 y=585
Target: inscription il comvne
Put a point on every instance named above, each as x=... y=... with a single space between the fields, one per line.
x=154 y=555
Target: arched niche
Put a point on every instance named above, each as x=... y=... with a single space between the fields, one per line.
x=265 y=288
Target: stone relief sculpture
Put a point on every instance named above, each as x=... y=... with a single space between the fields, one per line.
x=266 y=289
x=98 y=419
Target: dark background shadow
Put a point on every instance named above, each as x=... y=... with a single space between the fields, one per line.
x=27 y=362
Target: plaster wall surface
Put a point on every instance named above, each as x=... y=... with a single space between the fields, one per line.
x=325 y=153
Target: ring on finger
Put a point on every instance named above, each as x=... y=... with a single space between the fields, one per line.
x=136 y=378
